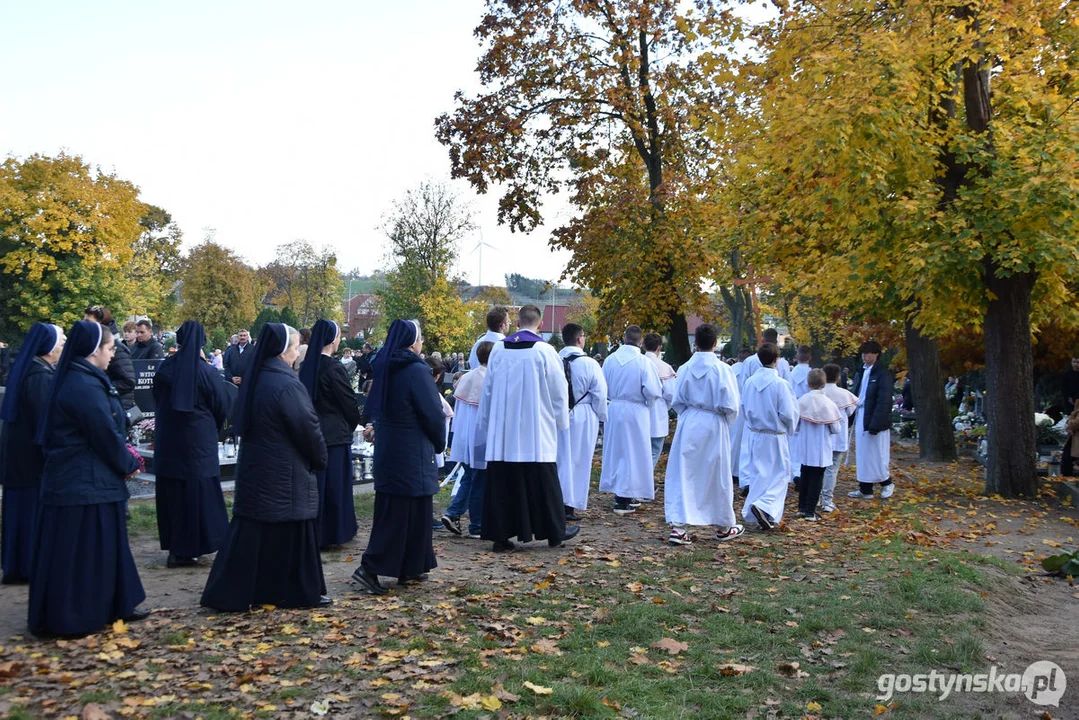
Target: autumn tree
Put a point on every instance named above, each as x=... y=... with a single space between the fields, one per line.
x=219 y=289
x=920 y=159
x=68 y=233
x=155 y=268
x=307 y=280
x=602 y=99
x=446 y=320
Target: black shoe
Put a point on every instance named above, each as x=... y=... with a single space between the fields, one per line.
x=453 y=524
x=324 y=601
x=571 y=514
x=763 y=519
x=368 y=582
x=178 y=562
x=137 y=615
x=504 y=546
x=12 y=580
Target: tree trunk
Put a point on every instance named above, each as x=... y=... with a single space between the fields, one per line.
x=679 y=351
x=936 y=439
x=1011 y=468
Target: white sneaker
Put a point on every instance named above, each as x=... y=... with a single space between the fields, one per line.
x=828 y=507
x=887 y=491
x=679 y=537
x=858 y=494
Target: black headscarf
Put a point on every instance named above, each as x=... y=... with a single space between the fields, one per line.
x=41 y=340
x=395 y=352
x=322 y=334
x=82 y=342
x=185 y=386
x=273 y=340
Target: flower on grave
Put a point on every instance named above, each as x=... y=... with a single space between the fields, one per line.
x=1042 y=420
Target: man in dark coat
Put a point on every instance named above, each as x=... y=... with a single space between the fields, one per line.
x=873 y=425
x=146 y=347
x=120 y=371
x=238 y=357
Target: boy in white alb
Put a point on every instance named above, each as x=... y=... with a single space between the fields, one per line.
x=798 y=380
x=469 y=496
x=698 y=488
x=818 y=421
x=771 y=416
x=847 y=402
x=659 y=415
x=588 y=408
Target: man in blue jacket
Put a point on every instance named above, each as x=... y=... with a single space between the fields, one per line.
x=873 y=425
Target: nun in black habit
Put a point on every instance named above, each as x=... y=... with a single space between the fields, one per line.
x=271 y=553
x=409 y=429
x=83 y=574
x=331 y=393
x=190 y=409
x=21 y=459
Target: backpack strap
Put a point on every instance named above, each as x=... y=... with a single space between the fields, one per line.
x=569 y=377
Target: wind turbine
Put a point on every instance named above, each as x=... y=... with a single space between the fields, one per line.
x=480 y=246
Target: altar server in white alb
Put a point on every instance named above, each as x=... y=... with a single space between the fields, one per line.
x=698 y=489
x=524 y=406
x=632 y=387
x=873 y=425
x=847 y=402
x=800 y=386
x=659 y=415
x=818 y=422
x=771 y=417
x=588 y=408
x=738 y=425
x=752 y=363
x=498 y=322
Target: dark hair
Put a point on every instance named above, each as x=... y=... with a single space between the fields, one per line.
x=831 y=372
x=570 y=333
x=804 y=353
x=870 y=346
x=437 y=368
x=632 y=335
x=483 y=351
x=496 y=316
x=767 y=354
x=305 y=336
x=99 y=313
x=770 y=335
x=744 y=353
x=145 y=322
x=653 y=342
x=705 y=336
x=529 y=315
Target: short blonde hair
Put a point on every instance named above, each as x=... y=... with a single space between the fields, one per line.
x=816 y=379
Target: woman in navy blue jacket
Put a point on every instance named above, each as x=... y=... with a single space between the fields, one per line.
x=21 y=459
x=271 y=554
x=409 y=429
x=190 y=409
x=331 y=393
x=84 y=576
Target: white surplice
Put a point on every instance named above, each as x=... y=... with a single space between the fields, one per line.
x=752 y=364
x=799 y=381
x=632 y=387
x=447 y=411
x=736 y=430
x=525 y=403
x=659 y=415
x=489 y=336
x=577 y=443
x=466 y=406
x=847 y=402
x=819 y=421
x=698 y=489
x=771 y=417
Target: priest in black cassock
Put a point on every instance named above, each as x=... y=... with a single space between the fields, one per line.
x=525 y=404
x=410 y=428
x=331 y=392
x=191 y=406
x=271 y=554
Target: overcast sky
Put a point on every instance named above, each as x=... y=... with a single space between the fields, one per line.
x=267 y=121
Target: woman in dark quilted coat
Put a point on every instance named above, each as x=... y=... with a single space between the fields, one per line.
x=271 y=553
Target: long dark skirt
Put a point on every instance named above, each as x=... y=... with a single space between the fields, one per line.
x=337 y=514
x=400 y=544
x=19 y=518
x=523 y=500
x=266 y=564
x=191 y=516
x=84 y=576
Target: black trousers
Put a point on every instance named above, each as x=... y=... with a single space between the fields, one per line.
x=812 y=480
